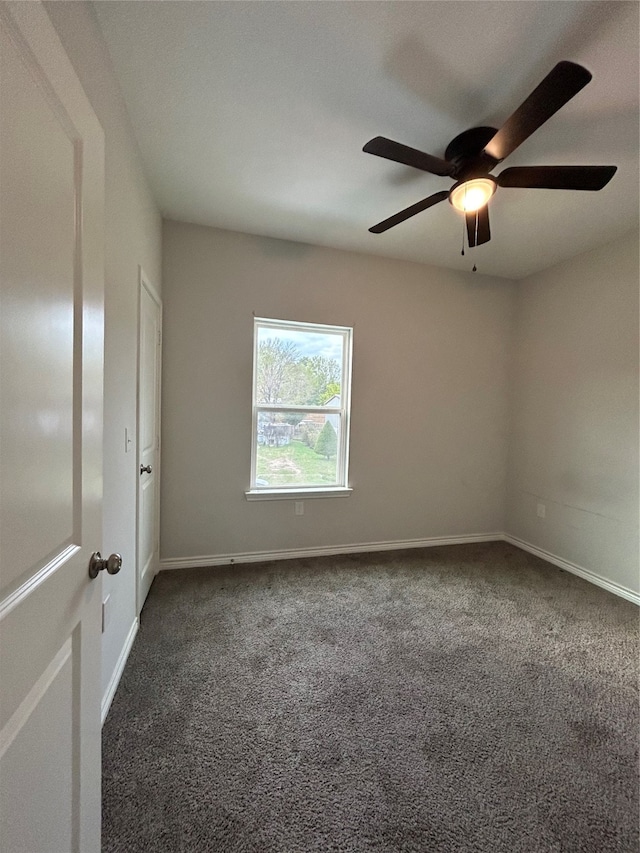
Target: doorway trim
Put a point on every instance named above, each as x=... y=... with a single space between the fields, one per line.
x=145 y=284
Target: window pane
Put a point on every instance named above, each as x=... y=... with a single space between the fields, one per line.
x=297 y=449
x=298 y=368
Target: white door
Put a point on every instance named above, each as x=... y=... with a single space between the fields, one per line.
x=51 y=331
x=149 y=361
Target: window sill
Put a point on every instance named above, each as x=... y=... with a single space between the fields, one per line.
x=297 y=494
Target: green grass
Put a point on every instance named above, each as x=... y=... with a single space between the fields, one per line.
x=295 y=464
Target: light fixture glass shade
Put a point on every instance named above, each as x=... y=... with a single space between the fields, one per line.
x=472 y=195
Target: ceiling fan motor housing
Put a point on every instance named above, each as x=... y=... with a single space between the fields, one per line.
x=466 y=153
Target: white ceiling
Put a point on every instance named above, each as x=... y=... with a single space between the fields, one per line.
x=252 y=116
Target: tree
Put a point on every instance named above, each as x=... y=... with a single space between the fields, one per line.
x=293 y=418
x=286 y=377
x=327 y=443
x=332 y=390
x=277 y=361
x=323 y=377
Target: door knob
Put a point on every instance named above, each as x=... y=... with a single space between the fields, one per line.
x=97 y=563
x=146 y=468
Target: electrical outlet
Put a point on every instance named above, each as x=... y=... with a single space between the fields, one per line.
x=106 y=612
x=299 y=509
x=542 y=511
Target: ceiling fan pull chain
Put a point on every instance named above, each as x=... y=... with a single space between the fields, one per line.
x=463 y=230
x=475 y=269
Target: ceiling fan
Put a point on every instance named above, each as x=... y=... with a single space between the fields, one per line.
x=470 y=157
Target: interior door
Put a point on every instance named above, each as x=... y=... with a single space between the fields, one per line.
x=149 y=361
x=51 y=337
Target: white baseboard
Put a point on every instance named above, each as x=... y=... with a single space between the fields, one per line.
x=213 y=560
x=592 y=577
x=110 y=692
x=328 y=551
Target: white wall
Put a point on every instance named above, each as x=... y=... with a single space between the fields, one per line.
x=133 y=236
x=429 y=407
x=574 y=412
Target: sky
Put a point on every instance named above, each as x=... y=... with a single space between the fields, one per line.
x=308 y=343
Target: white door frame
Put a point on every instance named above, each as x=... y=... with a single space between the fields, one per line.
x=145 y=283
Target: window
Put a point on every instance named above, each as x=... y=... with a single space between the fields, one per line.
x=301 y=396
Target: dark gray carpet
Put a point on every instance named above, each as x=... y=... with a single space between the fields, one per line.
x=468 y=698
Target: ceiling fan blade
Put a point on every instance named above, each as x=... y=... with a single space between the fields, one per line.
x=408 y=212
x=557 y=177
x=383 y=147
x=478 y=231
x=559 y=86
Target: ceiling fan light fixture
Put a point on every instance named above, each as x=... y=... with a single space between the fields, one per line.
x=468 y=196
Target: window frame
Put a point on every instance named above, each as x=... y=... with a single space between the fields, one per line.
x=341 y=488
